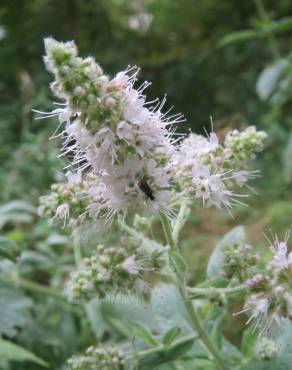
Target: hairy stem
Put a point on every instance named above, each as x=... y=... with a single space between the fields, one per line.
x=212 y=290
x=180 y=221
x=168 y=232
x=194 y=316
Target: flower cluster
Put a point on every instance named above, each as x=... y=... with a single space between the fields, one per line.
x=125 y=146
x=98 y=358
x=111 y=270
x=270 y=300
x=209 y=171
x=67 y=201
x=265 y=348
x=238 y=258
x=112 y=133
x=246 y=144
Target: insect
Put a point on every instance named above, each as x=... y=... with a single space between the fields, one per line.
x=146 y=189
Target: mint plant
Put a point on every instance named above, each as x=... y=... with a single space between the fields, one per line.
x=127 y=169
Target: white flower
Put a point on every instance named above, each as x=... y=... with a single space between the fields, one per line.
x=132 y=266
x=282 y=259
x=113 y=134
x=63 y=212
x=259 y=310
x=206 y=170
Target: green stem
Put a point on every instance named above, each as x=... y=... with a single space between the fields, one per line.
x=213 y=290
x=271 y=37
x=194 y=317
x=180 y=221
x=205 y=339
x=167 y=231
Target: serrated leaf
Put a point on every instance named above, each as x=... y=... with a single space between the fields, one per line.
x=12 y=352
x=239 y=36
x=170 y=336
x=215 y=264
x=144 y=333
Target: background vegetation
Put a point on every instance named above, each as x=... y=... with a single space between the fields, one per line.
x=227 y=59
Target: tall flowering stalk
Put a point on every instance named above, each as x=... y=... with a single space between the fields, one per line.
x=124 y=158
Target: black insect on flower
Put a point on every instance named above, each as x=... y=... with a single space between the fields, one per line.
x=146 y=189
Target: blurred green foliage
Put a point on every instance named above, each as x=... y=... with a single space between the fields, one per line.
x=226 y=59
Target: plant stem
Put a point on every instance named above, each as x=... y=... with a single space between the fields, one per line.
x=271 y=37
x=168 y=232
x=213 y=290
x=180 y=221
x=194 y=317
x=205 y=339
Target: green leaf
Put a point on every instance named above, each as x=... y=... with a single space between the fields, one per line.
x=269 y=78
x=13 y=352
x=168 y=308
x=198 y=364
x=95 y=318
x=161 y=355
x=215 y=264
x=14 y=310
x=170 y=336
x=31 y=261
x=16 y=211
x=283 y=25
x=239 y=36
x=144 y=333
x=14 y=217
x=8 y=248
x=214 y=320
x=230 y=352
x=17 y=206
x=126 y=310
x=248 y=341
x=179 y=265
